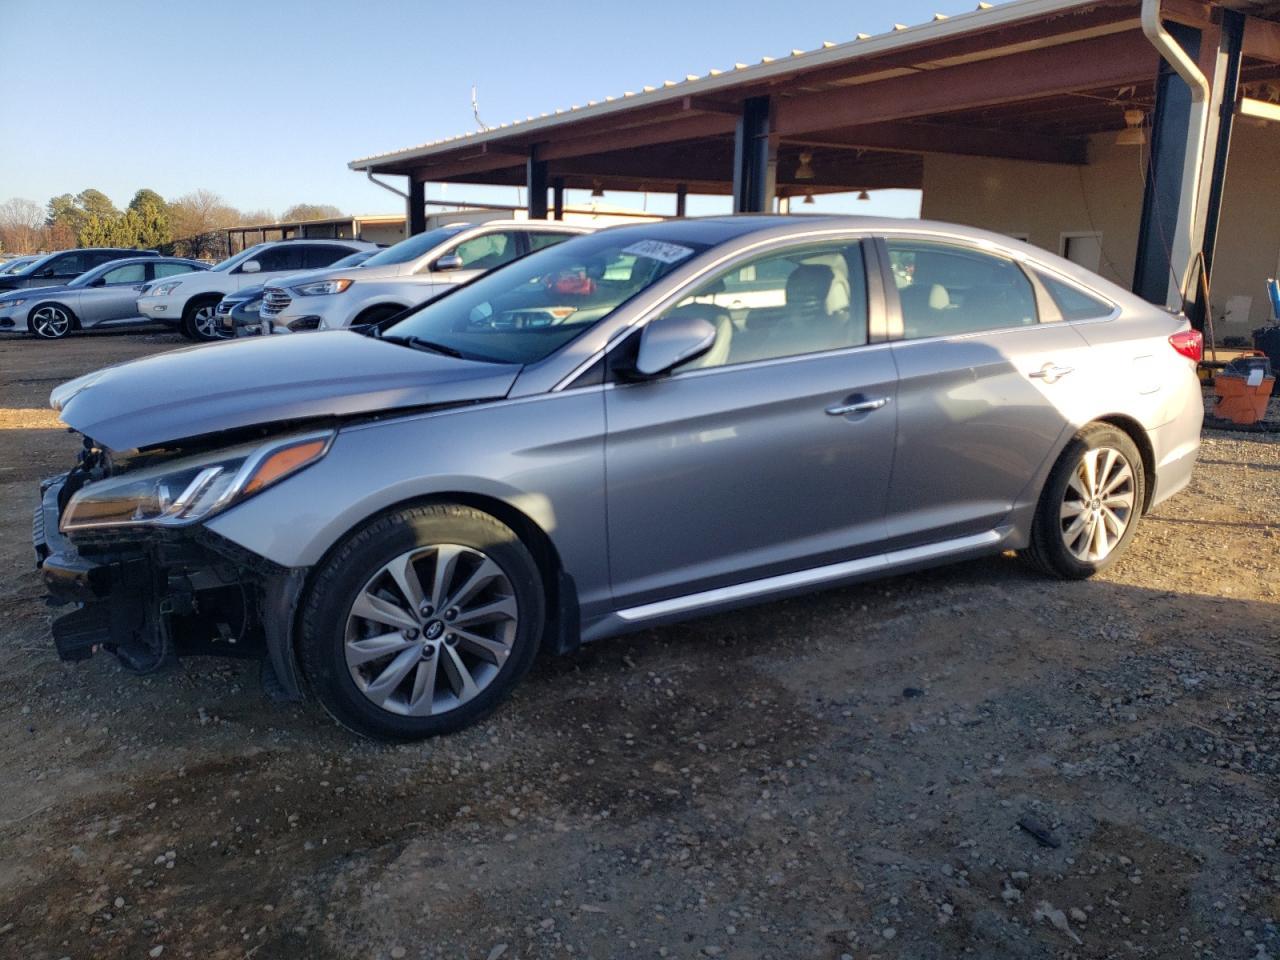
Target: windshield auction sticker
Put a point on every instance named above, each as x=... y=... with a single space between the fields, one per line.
x=657 y=250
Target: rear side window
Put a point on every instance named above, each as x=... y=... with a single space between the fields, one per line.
x=171 y=269
x=947 y=289
x=1072 y=302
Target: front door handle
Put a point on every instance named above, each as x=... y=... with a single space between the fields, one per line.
x=857 y=405
x=1050 y=373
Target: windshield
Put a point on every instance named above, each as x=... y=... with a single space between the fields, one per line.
x=415 y=246
x=239 y=258
x=528 y=310
x=15 y=265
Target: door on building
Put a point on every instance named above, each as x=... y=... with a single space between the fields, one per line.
x=1084 y=249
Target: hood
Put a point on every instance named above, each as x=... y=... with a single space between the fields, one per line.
x=246 y=293
x=24 y=293
x=261 y=380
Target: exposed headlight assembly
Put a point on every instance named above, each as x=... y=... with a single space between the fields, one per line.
x=188 y=491
x=321 y=287
x=163 y=289
x=10 y=304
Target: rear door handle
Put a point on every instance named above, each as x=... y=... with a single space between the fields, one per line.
x=1050 y=372
x=857 y=405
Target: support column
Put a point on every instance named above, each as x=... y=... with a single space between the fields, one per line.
x=755 y=158
x=1226 y=82
x=1156 y=272
x=415 y=208
x=682 y=197
x=535 y=181
x=557 y=194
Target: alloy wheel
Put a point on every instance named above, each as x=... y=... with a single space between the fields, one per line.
x=206 y=323
x=431 y=629
x=1098 y=504
x=50 y=322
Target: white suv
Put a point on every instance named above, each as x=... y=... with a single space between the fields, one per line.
x=406 y=274
x=188 y=301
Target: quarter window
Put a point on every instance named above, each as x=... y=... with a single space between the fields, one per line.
x=1072 y=302
x=807 y=300
x=946 y=289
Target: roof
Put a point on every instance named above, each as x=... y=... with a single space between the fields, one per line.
x=862 y=46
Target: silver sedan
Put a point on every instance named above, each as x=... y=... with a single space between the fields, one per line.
x=642 y=425
x=104 y=296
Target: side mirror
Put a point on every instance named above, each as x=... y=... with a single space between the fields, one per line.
x=666 y=342
x=250 y=266
x=450 y=261
x=100 y=282
x=46 y=272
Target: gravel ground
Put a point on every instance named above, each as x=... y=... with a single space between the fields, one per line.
x=842 y=775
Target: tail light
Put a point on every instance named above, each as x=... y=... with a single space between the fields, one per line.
x=1189 y=343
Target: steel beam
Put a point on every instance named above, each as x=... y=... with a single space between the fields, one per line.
x=415 y=209
x=1162 y=195
x=952 y=139
x=755 y=157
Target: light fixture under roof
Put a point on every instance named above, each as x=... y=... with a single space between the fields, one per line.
x=808 y=196
x=1133 y=135
x=863 y=195
x=597 y=189
x=805 y=170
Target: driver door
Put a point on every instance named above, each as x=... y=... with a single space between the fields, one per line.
x=769 y=454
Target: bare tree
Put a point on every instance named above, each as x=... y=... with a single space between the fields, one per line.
x=21 y=226
x=310 y=211
x=197 y=220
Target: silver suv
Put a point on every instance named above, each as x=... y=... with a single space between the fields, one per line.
x=645 y=424
x=406 y=274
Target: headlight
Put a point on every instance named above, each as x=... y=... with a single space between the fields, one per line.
x=188 y=491
x=163 y=289
x=321 y=287
x=10 y=304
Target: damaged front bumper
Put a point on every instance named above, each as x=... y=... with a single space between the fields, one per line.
x=151 y=597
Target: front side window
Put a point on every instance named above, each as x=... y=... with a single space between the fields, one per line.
x=530 y=309
x=806 y=300
x=946 y=289
x=538 y=241
x=69 y=265
x=287 y=256
x=315 y=256
x=488 y=251
x=129 y=273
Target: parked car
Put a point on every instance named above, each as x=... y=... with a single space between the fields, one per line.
x=594 y=439
x=105 y=296
x=238 y=313
x=57 y=269
x=406 y=274
x=189 y=303
x=14 y=264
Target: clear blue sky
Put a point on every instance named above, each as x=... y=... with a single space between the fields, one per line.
x=265 y=102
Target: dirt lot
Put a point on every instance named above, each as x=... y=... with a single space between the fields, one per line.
x=835 y=776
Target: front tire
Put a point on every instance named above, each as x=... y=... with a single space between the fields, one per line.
x=200 y=319
x=421 y=622
x=51 y=321
x=1090 y=505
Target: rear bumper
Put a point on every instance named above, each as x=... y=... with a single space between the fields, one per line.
x=1175 y=446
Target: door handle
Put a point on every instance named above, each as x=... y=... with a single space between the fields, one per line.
x=865 y=405
x=1050 y=373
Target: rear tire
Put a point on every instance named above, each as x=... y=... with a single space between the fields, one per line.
x=199 y=319
x=1090 y=505
x=421 y=622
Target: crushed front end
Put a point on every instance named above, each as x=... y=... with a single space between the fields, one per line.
x=131 y=570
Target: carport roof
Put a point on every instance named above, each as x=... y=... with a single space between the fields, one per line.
x=1026 y=80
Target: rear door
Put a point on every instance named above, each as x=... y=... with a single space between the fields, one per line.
x=989 y=383
x=768 y=455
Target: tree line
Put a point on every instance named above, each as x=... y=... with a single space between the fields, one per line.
x=192 y=225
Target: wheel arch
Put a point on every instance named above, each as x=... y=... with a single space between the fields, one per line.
x=1138 y=434
x=386 y=307
x=563 y=626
